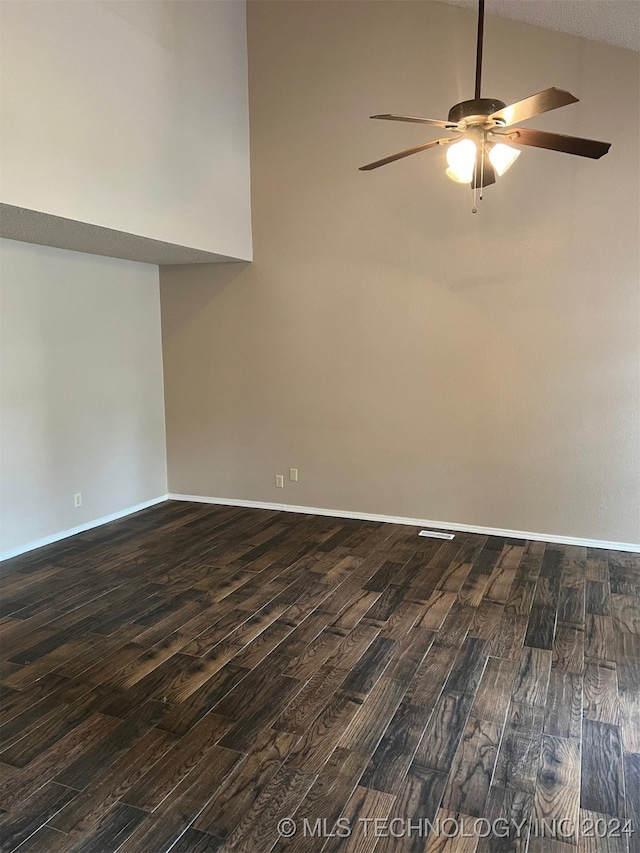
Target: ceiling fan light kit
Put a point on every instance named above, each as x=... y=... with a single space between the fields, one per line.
x=484 y=132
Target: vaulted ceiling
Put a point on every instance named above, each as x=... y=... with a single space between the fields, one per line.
x=612 y=21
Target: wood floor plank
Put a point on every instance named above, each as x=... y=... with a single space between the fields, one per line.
x=601 y=693
x=309 y=702
x=627 y=654
x=431 y=675
x=599 y=641
x=245 y=784
x=452 y=837
x=541 y=626
x=625 y=613
x=46 y=839
x=486 y=620
x=393 y=755
x=601 y=834
x=16 y=785
x=358 y=605
x=602 y=779
x=261 y=711
x=419 y=796
x=367 y=671
x=509 y=637
x=386 y=604
x=632 y=797
x=440 y=742
x=404 y=619
x=111 y=831
x=364 y=809
x=545 y=844
x=17 y=826
x=383 y=577
x=509 y=812
x=142 y=665
x=187 y=799
x=519 y=754
x=93 y=761
x=38 y=740
x=468 y=667
x=250 y=694
x=571 y=605
x=470 y=776
x=265 y=643
x=89 y=806
x=598 y=599
x=564 y=706
x=455 y=627
x=348 y=651
x=161 y=779
x=257 y=832
x=557 y=792
x=494 y=691
x=194 y=841
x=532 y=677
x=330 y=643
x=408 y=654
x=324 y=800
x=33 y=716
x=181 y=718
x=181 y=679
x=473 y=590
x=322 y=736
x=436 y=609
x=376 y=712
x=568 y=649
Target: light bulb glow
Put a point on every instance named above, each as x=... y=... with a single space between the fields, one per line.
x=502 y=157
x=461 y=157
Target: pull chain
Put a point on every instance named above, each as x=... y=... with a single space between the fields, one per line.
x=484 y=140
x=474 y=209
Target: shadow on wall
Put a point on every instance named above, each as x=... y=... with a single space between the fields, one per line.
x=203 y=289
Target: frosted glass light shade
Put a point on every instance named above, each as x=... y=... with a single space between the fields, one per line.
x=461 y=157
x=502 y=157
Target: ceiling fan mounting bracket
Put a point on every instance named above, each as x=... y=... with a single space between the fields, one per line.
x=476 y=111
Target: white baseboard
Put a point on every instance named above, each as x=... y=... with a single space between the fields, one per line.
x=333 y=513
x=417 y=522
x=56 y=537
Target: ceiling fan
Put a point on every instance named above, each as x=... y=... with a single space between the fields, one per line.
x=483 y=127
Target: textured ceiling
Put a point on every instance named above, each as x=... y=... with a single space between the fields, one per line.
x=612 y=21
x=31 y=226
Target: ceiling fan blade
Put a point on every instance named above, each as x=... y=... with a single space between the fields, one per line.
x=450 y=125
x=555 y=142
x=402 y=154
x=550 y=99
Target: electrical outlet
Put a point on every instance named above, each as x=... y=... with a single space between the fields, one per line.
x=280 y=481
x=293 y=475
x=77 y=499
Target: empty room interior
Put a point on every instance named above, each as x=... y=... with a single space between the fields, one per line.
x=320 y=450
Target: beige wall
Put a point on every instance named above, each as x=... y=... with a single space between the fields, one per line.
x=408 y=357
x=80 y=390
x=132 y=116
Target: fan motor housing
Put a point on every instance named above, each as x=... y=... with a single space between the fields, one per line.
x=474 y=112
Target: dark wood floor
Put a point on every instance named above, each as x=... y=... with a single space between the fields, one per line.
x=186 y=678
